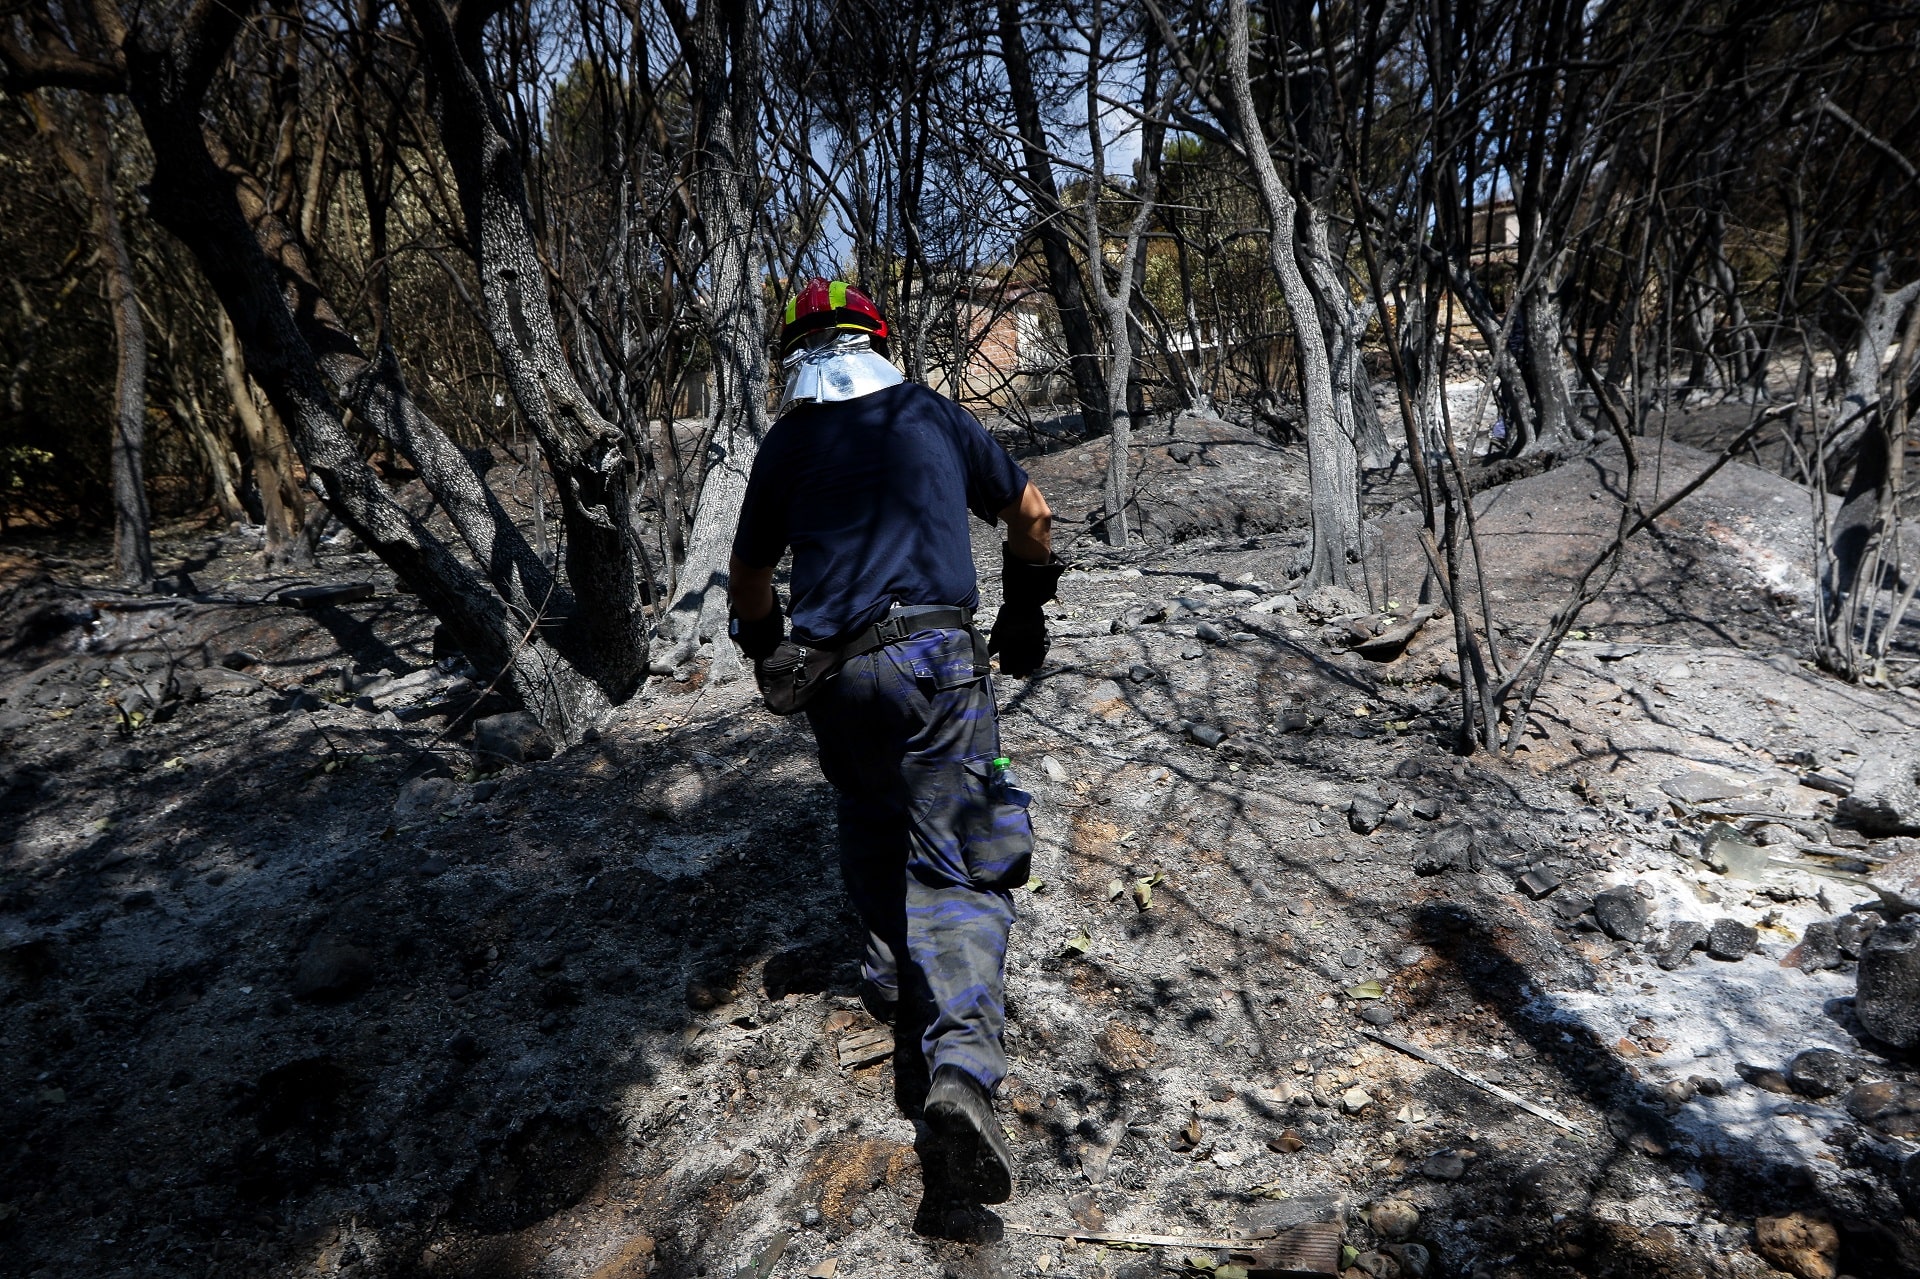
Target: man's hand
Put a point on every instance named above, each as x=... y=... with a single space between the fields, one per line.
x=755 y=621
x=1019 y=633
x=1028 y=574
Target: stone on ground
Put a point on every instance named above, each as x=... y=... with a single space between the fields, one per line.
x=1622 y=913
x=1886 y=793
x=1799 y=1244
x=515 y=737
x=1887 y=997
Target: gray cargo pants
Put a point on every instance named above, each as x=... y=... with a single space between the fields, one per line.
x=933 y=835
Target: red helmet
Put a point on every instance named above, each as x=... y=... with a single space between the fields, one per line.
x=822 y=304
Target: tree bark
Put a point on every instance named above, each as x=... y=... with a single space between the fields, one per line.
x=590 y=458
x=93 y=170
x=1333 y=467
x=290 y=336
x=1056 y=246
x=132 y=537
x=722 y=47
x=270 y=453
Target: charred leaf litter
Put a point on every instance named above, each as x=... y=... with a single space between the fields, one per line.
x=303 y=977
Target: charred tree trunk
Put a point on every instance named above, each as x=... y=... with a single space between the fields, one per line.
x=1332 y=464
x=591 y=460
x=92 y=168
x=270 y=455
x=312 y=372
x=722 y=43
x=1056 y=246
x=132 y=536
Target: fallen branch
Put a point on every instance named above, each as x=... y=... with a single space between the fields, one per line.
x=1553 y=1117
x=1143 y=1240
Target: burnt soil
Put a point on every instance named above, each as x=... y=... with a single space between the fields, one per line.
x=294 y=985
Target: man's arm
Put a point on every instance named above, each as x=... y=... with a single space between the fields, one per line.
x=1029 y=522
x=1028 y=573
x=750 y=590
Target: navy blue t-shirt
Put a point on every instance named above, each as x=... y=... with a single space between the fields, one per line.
x=872 y=495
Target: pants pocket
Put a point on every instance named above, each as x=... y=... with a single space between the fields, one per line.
x=996 y=834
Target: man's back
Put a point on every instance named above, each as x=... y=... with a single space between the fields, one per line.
x=872 y=494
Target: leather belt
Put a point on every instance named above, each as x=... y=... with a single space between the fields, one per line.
x=903 y=622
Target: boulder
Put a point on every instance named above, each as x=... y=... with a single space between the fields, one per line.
x=1889 y=1106
x=1446 y=850
x=1730 y=940
x=1622 y=913
x=1853 y=930
x=1685 y=937
x=1365 y=814
x=1819 y=947
x=1886 y=793
x=1887 y=994
x=1799 y=1244
x=514 y=738
x=427 y=796
x=1821 y=1072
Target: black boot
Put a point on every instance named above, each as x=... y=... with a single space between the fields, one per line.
x=968 y=1158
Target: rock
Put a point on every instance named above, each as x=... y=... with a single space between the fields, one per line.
x=1799 y=1244
x=1890 y=1106
x=1292 y=722
x=1683 y=938
x=1852 y=930
x=1394 y=1219
x=1053 y=768
x=1365 y=814
x=515 y=737
x=331 y=968
x=1821 y=1072
x=1374 y=1264
x=1702 y=788
x=1353 y=958
x=1140 y=674
x=1886 y=794
x=1416 y=1262
x=1622 y=913
x=1192 y=652
x=1355 y=1099
x=1570 y=906
x=1765 y=1078
x=1426 y=808
x=1819 y=947
x=1085 y=1212
x=1205 y=735
x=427 y=796
x=1446 y=850
x=1209 y=632
x=1446 y=1165
x=1729 y=940
x=1537 y=883
x=1377 y=1015
x=1831 y=783
x=1887 y=993
x=1324 y=602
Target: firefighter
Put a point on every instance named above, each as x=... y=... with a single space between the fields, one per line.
x=868 y=478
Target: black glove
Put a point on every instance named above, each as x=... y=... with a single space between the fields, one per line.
x=758 y=639
x=1019 y=634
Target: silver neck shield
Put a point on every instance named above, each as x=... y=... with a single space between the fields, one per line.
x=845 y=368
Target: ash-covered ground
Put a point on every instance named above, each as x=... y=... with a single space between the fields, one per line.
x=296 y=982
